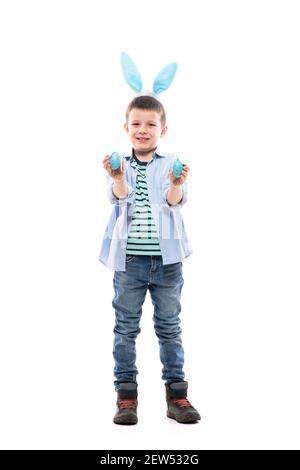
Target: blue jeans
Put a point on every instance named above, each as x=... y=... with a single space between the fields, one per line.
x=164 y=282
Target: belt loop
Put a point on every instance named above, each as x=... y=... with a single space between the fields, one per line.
x=152 y=263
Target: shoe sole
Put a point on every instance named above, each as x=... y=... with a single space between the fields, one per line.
x=183 y=420
x=128 y=421
x=126 y=424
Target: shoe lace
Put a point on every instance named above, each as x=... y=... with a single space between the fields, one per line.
x=182 y=402
x=127 y=403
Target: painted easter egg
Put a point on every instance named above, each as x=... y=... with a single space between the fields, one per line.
x=177 y=168
x=115 y=161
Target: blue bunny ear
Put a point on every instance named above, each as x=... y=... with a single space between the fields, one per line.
x=131 y=73
x=164 y=78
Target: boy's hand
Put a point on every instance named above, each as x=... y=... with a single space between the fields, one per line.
x=117 y=175
x=177 y=181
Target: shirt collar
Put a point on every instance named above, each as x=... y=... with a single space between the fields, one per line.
x=155 y=155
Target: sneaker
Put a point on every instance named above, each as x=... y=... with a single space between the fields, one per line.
x=126 y=404
x=179 y=407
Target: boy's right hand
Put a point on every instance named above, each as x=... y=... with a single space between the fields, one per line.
x=117 y=175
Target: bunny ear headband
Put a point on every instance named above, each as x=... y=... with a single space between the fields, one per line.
x=133 y=77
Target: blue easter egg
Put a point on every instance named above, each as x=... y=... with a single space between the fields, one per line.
x=115 y=161
x=177 y=168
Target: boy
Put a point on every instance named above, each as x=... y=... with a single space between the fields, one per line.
x=144 y=243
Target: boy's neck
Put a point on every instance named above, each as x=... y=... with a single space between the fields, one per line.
x=144 y=156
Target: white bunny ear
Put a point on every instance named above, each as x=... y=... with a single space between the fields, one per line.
x=131 y=73
x=164 y=78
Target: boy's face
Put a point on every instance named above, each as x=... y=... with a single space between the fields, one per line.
x=144 y=129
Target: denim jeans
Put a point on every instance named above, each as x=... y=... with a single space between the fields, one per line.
x=164 y=282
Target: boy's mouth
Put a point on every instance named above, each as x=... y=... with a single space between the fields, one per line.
x=142 y=139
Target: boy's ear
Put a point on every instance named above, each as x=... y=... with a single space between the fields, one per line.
x=164 y=130
x=126 y=127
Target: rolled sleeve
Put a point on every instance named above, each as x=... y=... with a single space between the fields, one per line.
x=183 y=199
x=115 y=200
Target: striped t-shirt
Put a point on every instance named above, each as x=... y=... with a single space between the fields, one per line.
x=142 y=238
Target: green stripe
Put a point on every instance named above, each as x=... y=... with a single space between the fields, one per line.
x=142 y=252
x=138 y=192
x=141 y=241
x=143 y=235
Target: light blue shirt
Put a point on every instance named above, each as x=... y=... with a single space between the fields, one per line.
x=173 y=240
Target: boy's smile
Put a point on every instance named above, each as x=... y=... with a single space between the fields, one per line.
x=144 y=129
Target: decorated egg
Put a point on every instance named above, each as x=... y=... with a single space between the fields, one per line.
x=177 y=168
x=115 y=161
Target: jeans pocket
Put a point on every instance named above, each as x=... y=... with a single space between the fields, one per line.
x=130 y=258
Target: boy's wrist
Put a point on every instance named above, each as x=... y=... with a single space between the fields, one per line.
x=175 y=194
x=120 y=182
x=175 y=185
x=120 y=188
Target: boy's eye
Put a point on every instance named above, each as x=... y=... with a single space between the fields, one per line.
x=137 y=124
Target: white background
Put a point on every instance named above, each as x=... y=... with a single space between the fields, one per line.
x=233 y=116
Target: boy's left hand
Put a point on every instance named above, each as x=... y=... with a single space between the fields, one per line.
x=177 y=181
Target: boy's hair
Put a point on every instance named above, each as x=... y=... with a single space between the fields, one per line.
x=147 y=103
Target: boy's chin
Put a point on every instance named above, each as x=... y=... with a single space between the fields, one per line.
x=144 y=148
